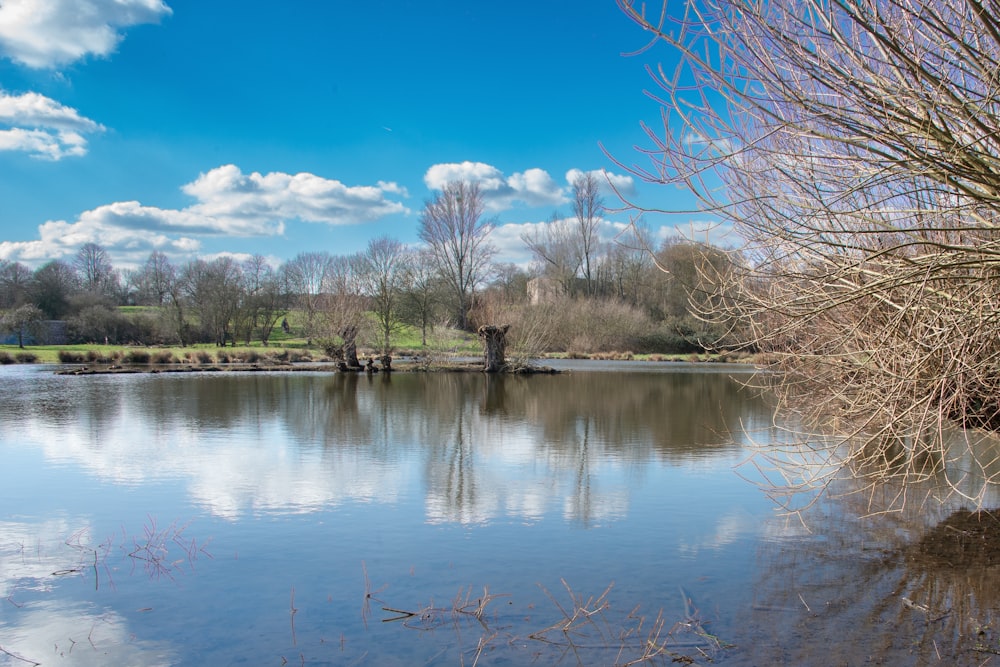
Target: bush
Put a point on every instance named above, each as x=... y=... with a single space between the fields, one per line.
x=136 y=357
x=163 y=357
x=26 y=357
x=5 y=358
x=248 y=356
x=70 y=357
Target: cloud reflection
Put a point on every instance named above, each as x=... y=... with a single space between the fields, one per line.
x=476 y=449
x=78 y=636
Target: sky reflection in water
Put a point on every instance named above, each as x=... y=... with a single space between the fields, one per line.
x=218 y=518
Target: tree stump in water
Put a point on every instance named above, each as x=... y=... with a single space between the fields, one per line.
x=350 y=336
x=494 y=340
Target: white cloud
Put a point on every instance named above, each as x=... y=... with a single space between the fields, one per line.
x=42 y=127
x=34 y=110
x=533 y=187
x=227 y=194
x=230 y=203
x=59 y=240
x=51 y=33
x=510 y=247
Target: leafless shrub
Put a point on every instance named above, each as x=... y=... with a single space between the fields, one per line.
x=853 y=148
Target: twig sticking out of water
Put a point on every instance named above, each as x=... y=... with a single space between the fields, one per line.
x=366 y=610
x=585 y=625
x=291 y=615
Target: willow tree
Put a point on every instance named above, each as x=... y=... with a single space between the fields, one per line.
x=854 y=145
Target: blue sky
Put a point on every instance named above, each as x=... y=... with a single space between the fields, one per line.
x=200 y=127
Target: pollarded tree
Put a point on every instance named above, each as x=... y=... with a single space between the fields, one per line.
x=342 y=311
x=855 y=146
x=455 y=230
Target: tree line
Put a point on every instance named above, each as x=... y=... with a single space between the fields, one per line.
x=336 y=302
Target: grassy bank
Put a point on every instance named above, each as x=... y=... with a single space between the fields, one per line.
x=258 y=354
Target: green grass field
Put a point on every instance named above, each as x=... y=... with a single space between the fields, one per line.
x=443 y=342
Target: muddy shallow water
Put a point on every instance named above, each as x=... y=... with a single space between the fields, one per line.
x=597 y=517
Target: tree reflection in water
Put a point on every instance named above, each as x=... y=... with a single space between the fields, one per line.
x=926 y=580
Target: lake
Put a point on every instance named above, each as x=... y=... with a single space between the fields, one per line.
x=609 y=515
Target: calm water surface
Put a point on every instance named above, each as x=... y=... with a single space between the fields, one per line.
x=445 y=519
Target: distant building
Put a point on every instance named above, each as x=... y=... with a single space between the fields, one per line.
x=543 y=290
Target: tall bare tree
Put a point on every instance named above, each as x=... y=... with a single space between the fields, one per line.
x=454 y=228
x=588 y=207
x=855 y=146
x=97 y=275
x=155 y=279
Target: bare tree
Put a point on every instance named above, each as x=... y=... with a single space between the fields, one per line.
x=553 y=246
x=306 y=274
x=94 y=268
x=263 y=300
x=629 y=260
x=588 y=207
x=214 y=290
x=454 y=229
x=855 y=146
x=381 y=273
x=15 y=283
x=421 y=291
x=52 y=285
x=154 y=280
x=342 y=309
